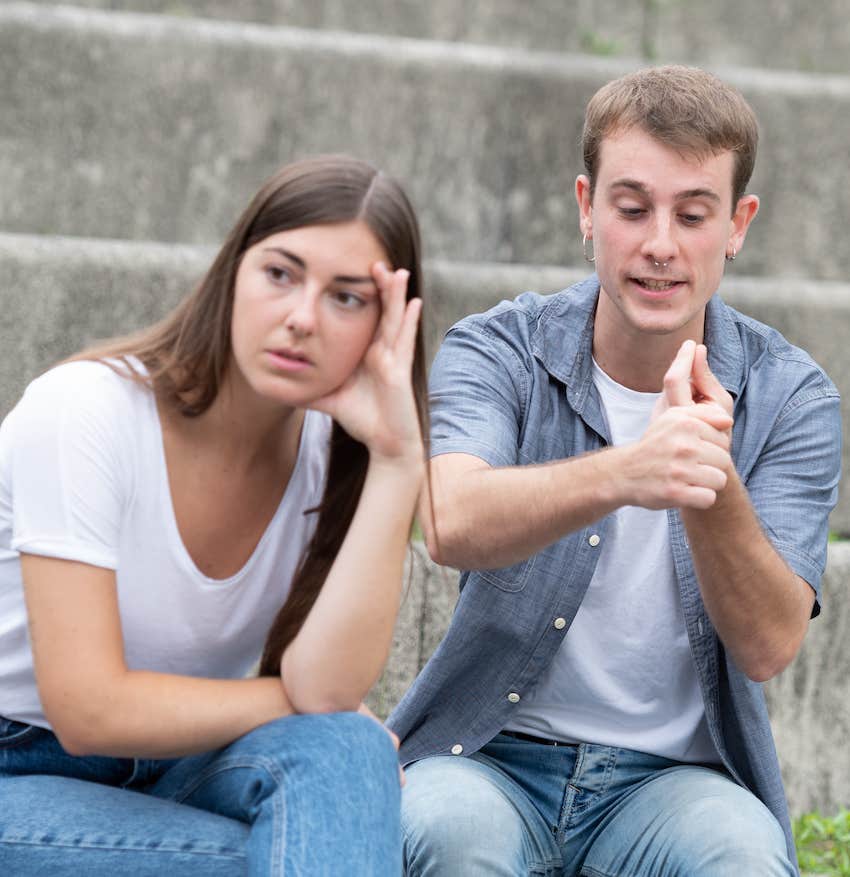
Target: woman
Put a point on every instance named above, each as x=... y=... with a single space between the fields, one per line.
x=160 y=498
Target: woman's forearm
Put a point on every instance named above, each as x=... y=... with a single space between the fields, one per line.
x=340 y=650
x=156 y=715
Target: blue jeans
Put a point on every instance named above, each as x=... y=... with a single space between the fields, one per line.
x=313 y=795
x=522 y=808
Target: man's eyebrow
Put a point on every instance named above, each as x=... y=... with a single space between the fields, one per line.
x=684 y=195
x=340 y=278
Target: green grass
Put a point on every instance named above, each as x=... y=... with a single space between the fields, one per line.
x=823 y=845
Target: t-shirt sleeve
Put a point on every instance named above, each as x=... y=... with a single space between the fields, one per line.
x=477 y=395
x=67 y=443
x=794 y=484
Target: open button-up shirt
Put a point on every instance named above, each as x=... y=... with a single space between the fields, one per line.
x=514 y=386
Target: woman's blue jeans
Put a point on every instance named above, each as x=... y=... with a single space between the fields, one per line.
x=313 y=795
x=522 y=808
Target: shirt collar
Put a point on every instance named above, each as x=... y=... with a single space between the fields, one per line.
x=563 y=339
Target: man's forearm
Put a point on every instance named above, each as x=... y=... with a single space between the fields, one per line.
x=487 y=518
x=757 y=604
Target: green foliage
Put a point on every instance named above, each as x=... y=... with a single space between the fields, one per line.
x=823 y=845
x=594 y=43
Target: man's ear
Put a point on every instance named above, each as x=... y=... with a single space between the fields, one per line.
x=585 y=208
x=745 y=213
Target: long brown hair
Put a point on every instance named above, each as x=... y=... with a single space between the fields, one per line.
x=187 y=354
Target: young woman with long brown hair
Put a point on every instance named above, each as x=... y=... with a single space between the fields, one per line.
x=161 y=498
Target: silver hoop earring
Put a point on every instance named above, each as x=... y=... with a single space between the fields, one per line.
x=732 y=257
x=584 y=250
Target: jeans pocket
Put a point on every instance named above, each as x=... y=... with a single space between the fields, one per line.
x=14 y=733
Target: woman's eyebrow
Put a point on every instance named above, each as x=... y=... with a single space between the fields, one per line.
x=339 y=278
x=345 y=278
x=291 y=256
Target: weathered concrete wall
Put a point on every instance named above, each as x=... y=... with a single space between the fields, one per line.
x=809 y=702
x=790 y=34
x=553 y=25
x=160 y=128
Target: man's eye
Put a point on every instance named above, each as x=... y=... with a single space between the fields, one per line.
x=631 y=212
x=692 y=218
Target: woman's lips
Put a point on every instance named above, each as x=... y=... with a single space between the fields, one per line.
x=288 y=360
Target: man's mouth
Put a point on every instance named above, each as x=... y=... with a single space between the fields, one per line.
x=656 y=285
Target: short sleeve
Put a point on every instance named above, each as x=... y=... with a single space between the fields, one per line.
x=67 y=443
x=478 y=389
x=794 y=483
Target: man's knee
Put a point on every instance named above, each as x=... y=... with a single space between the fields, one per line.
x=694 y=821
x=457 y=820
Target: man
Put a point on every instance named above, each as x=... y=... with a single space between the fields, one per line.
x=642 y=478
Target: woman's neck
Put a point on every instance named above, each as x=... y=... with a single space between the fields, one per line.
x=243 y=428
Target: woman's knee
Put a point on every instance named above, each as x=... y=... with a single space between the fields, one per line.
x=347 y=744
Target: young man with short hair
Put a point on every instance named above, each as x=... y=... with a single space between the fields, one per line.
x=641 y=477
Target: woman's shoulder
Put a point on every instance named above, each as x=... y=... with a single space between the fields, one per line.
x=90 y=382
x=85 y=392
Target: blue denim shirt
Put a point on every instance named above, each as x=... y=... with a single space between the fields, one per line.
x=514 y=386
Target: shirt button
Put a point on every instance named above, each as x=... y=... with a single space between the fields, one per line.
x=560 y=623
x=457 y=749
x=593 y=540
x=513 y=697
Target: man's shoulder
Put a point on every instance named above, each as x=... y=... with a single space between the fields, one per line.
x=521 y=317
x=766 y=350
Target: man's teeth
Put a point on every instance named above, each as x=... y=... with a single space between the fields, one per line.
x=657 y=285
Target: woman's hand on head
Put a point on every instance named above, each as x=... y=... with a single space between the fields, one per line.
x=376 y=404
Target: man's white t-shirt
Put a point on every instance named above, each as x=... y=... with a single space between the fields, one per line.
x=624 y=675
x=83 y=477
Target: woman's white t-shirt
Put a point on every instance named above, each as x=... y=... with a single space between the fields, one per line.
x=83 y=477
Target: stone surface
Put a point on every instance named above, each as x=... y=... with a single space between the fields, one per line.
x=788 y=34
x=810 y=702
x=160 y=128
x=601 y=26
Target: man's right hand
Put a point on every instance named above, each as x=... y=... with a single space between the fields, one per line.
x=683 y=458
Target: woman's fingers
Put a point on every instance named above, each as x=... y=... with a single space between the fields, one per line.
x=392 y=286
x=406 y=342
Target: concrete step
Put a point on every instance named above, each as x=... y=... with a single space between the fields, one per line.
x=788 y=34
x=605 y=26
x=60 y=293
x=154 y=127
x=812 y=749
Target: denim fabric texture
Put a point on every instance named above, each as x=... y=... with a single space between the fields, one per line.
x=514 y=386
x=516 y=807
x=295 y=797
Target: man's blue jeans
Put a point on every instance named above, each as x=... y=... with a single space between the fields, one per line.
x=522 y=808
x=313 y=795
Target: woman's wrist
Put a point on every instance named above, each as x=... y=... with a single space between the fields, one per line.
x=408 y=459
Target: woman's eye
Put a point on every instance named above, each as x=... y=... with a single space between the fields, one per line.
x=692 y=218
x=348 y=300
x=278 y=274
x=631 y=212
